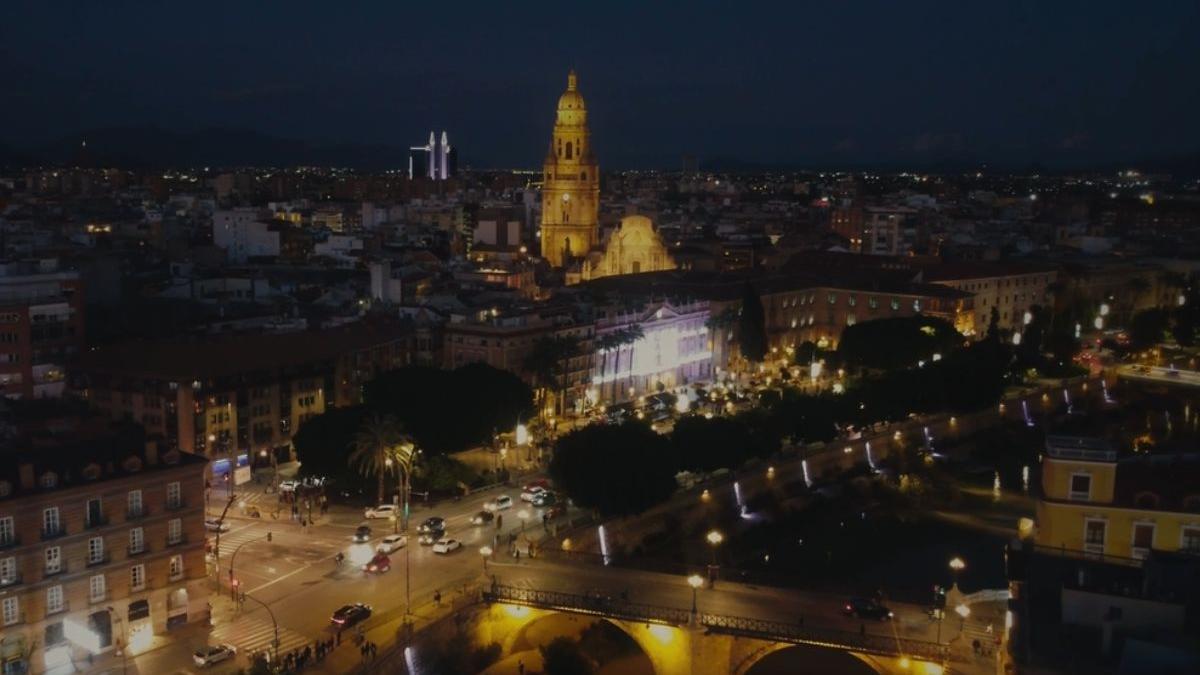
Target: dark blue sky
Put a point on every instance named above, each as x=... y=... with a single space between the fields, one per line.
x=797 y=82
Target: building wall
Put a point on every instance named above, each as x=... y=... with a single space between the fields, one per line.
x=675 y=350
x=1011 y=295
x=41 y=328
x=571 y=188
x=31 y=588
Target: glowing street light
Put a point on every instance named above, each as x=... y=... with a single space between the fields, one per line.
x=714 y=538
x=485 y=552
x=957 y=565
x=695 y=581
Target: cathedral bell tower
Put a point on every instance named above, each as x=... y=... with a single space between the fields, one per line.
x=571 y=188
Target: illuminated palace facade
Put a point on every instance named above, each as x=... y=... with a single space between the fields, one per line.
x=673 y=350
x=570 y=230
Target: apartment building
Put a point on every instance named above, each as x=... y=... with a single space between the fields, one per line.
x=41 y=327
x=101 y=548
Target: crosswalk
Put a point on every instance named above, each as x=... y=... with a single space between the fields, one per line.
x=255 y=633
x=236 y=537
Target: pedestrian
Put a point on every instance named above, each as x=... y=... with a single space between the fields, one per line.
x=520 y=668
x=374 y=650
x=437 y=598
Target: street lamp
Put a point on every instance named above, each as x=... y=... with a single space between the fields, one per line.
x=485 y=552
x=963 y=612
x=714 y=539
x=957 y=565
x=523 y=514
x=695 y=581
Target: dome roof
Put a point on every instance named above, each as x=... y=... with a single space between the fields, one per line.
x=571 y=98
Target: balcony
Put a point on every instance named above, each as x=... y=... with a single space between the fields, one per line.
x=136 y=550
x=13 y=579
x=53 y=571
x=177 y=541
x=175 y=505
x=95 y=521
x=10 y=541
x=135 y=513
x=53 y=532
x=102 y=559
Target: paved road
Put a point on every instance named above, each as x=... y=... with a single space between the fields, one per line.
x=1159 y=375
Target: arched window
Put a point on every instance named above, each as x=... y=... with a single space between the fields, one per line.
x=1146 y=500
x=568 y=149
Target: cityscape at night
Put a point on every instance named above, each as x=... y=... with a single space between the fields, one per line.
x=623 y=338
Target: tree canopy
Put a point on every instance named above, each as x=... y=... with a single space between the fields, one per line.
x=616 y=469
x=752 y=326
x=900 y=342
x=1147 y=328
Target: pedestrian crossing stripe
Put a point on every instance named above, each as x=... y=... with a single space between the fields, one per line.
x=233 y=540
x=257 y=634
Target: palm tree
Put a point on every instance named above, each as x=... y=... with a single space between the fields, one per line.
x=375 y=449
x=548 y=362
x=630 y=336
x=606 y=343
x=723 y=324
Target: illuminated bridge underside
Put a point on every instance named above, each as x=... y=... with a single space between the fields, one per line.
x=772 y=631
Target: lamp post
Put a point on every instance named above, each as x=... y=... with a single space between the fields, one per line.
x=714 y=538
x=485 y=552
x=122 y=645
x=523 y=514
x=963 y=612
x=956 y=566
x=232 y=558
x=695 y=581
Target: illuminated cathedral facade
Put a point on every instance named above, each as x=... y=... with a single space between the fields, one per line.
x=570 y=229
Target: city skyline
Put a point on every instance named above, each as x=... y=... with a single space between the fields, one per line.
x=810 y=86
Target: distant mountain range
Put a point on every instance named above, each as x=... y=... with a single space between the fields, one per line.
x=147 y=147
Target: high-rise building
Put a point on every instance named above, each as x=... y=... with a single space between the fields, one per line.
x=436 y=160
x=571 y=191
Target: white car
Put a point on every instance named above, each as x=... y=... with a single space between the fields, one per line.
x=391 y=543
x=498 y=504
x=288 y=486
x=206 y=656
x=214 y=525
x=381 y=511
x=531 y=493
x=446 y=545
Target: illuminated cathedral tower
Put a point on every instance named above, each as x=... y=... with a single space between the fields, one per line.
x=571 y=193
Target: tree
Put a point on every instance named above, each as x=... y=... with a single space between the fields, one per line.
x=616 y=469
x=889 y=344
x=993 y=329
x=375 y=449
x=324 y=441
x=1060 y=340
x=1147 y=327
x=752 y=326
x=702 y=444
x=562 y=656
x=605 y=344
x=549 y=361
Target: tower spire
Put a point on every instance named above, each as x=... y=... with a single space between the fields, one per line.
x=572 y=80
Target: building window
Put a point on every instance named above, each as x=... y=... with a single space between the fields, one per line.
x=95 y=512
x=1189 y=539
x=137 y=540
x=53 y=560
x=8 y=570
x=174 y=495
x=895 y=304
x=11 y=611
x=1143 y=539
x=176 y=567
x=137 y=577
x=51 y=524
x=54 y=600
x=1081 y=487
x=96 y=590
x=135 y=503
x=1093 y=535
x=49 y=479
x=8 y=533
x=95 y=550
x=174 y=531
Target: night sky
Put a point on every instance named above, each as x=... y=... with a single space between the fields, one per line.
x=802 y=83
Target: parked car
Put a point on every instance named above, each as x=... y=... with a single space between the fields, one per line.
x=362 y=534
x=446 y=546
x=348 y=615
x=289 y=486
x=392 y=542
x=206 y=656
x=430 y=538
x=498 y=504
x=483 y=518
x=432 y=524
x=530 y=492
x=381 y=511
x=215 y=525
x=865 y=608
x=379 y=563
x=546 y=498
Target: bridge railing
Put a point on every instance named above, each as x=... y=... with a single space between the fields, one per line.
x=600 y=604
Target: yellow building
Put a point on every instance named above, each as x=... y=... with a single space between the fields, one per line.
x=632 y=248
x=571 y=191
x=1117 y=509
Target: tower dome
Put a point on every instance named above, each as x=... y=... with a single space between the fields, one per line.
x=571 y=108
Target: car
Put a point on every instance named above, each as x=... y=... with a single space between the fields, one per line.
x=206 y=656
x=380 y=563
x=216 y=525
x=446 y=545
x=530 y=492
x=430 y=538
x=381 y=511
x=289 y=486
x=392 y=542
x=432 y=524
x=348 y=615
x=362 y=533
x=547 y=498
x=498 y=504
x=865 y=608
x=483 y=518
